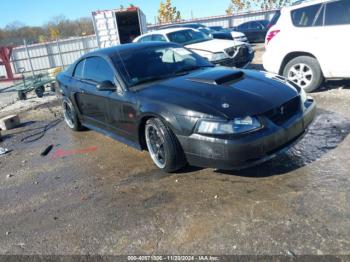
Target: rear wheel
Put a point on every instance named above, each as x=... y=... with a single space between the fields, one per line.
x=305 y=72
x=39 y=91
x=53 y=87
x=163 y=146
x=21 y=95
x=70 y=115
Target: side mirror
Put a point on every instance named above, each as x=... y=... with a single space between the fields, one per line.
x=106 y=86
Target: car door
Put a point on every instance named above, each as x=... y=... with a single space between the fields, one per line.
x=92 y=102
x=244 y=29
x=335 y=38
x=122 y=107
x=255 y=31
x=321 y=29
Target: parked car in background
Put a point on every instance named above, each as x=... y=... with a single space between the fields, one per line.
x=218 y=51
x=225 y=33
x=217 y=34
x=170 y=101
x=255 y=31
x=310 y=42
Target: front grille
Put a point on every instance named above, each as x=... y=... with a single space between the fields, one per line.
x=231 y=51
x=237 y=51
x=281 y=114
x=240 y=59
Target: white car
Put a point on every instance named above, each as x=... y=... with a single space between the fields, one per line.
x=217 y=51
x=310 y=42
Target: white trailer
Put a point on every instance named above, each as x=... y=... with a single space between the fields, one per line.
x=118 y=26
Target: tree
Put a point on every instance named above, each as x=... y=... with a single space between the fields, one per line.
x=240 y=5
x=167 y=13
x=54 y=33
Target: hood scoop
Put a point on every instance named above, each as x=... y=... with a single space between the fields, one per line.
x=219 y=76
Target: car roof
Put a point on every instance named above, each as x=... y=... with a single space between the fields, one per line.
x=251 y=21
x=132 y=47
x=168 y=30
x=187 y=25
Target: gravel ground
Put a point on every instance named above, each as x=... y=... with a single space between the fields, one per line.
x=93 y=195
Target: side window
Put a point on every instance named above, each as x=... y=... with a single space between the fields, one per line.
x=97 y=69
x=78 y=71
x=244 y=26
x=305 y=17
x=254 y=25
x=320 y=18
x=338 y=13
x=158 y=38
x=146 y=38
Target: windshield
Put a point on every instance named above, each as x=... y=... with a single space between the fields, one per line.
x=157 y=62
x=206 y=31
x=186 y=37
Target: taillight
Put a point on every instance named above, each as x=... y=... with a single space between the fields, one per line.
x=271 y=35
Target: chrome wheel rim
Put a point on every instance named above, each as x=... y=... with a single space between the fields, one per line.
x=68 y=114
x=301 y=74
x=155 y=144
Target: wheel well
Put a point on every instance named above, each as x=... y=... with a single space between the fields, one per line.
x=142 y=138
x=291 y=56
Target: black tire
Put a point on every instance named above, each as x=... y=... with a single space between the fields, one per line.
x=22 y=95
x=70 y=115
x=53 y=87
x=174 y=158
x=312 y=66
x=39 y=91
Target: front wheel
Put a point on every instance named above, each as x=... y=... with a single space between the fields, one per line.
x=163 y=146
x=305 y=71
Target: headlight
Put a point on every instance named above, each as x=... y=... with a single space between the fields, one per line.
x=215 y=56
x=237 y=126
x=303 y=95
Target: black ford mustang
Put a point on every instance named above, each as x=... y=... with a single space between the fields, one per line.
x=165 y=99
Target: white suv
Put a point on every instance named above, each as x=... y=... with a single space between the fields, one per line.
x=310 y=42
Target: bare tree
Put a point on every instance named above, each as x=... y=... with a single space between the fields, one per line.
x=240 y=5
x=57 y=27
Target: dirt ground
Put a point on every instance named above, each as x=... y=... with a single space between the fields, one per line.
x=93 y=195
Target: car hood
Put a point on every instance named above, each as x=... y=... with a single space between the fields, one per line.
x=213 y=45
x=221 y=92
x=237 y=34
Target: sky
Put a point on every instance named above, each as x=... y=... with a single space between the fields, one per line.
x=38 y=12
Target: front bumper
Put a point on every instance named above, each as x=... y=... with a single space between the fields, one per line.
x=249 y=149
x=241 y=60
